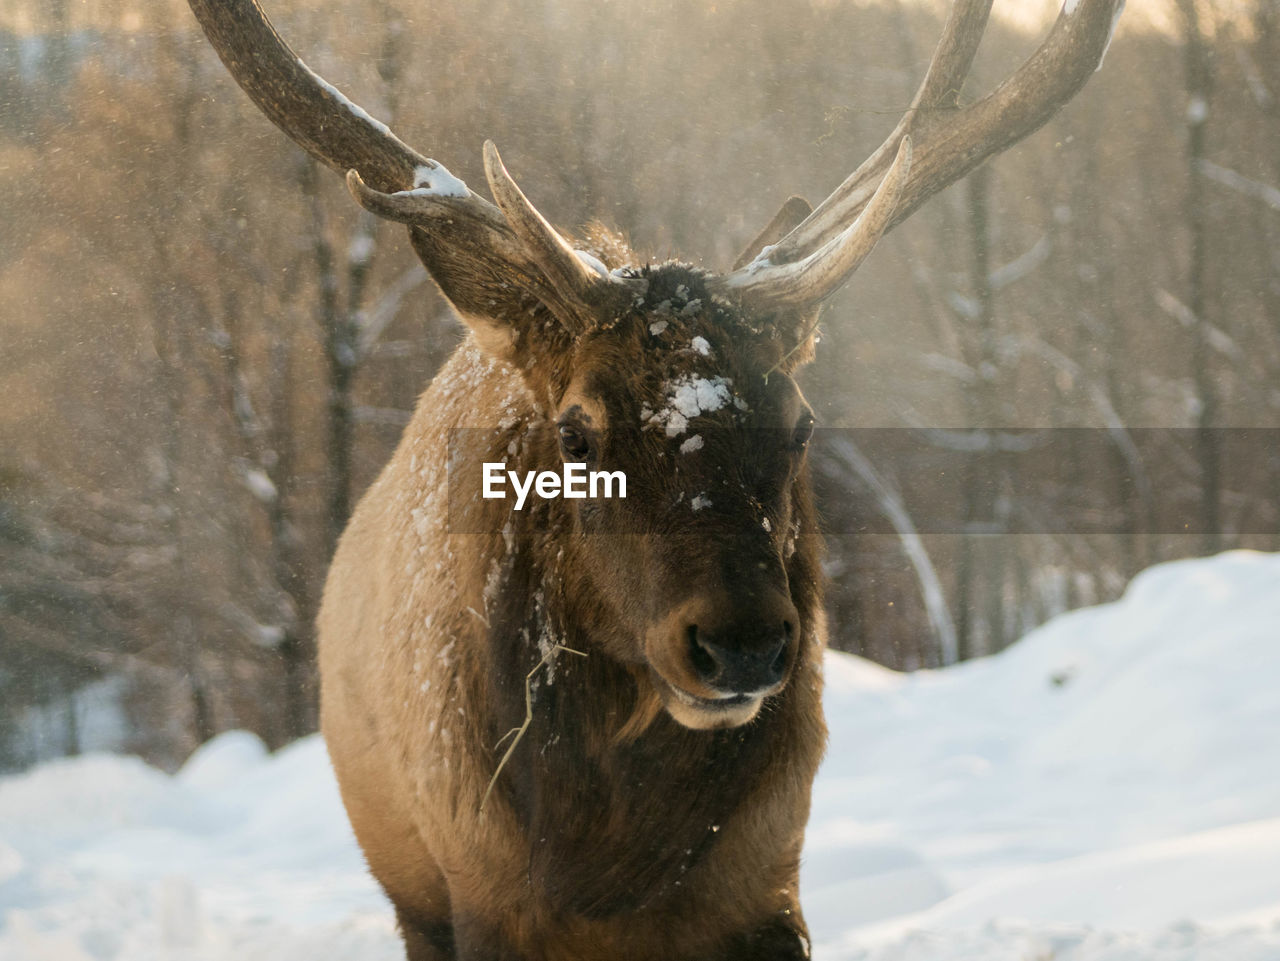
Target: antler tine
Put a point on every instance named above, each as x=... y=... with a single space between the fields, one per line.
x=953 y=57
x=950 y=140
x=559 y=262
x=820 y=274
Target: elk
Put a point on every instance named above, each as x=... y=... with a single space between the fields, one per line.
x=654 y=660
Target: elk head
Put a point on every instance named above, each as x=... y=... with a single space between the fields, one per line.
x=680 y=377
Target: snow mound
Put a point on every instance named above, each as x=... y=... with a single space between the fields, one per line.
x=1110 y=769
x=1105 y=790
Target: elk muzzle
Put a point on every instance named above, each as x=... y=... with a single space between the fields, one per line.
x=718 y=656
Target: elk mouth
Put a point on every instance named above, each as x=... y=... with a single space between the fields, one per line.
x=709 y=713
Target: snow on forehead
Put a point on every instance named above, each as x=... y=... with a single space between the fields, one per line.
x=689 y=396
x=693 y=395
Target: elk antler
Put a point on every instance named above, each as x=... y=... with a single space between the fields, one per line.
x=936 y=143
x=392 y=179
x=948 y=141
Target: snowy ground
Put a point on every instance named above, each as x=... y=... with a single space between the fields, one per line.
x=1106 y=790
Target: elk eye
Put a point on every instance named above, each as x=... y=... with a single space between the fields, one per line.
x=574 y=443
x=803 y=432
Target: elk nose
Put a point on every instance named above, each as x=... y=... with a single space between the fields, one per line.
x=740 y=665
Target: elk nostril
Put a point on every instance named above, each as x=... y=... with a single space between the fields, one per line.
x=779 y=665
x=703 y=661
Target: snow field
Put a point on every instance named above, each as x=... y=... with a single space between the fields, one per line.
x=1106 y=790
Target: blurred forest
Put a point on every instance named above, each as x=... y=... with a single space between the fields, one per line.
x=207 y=351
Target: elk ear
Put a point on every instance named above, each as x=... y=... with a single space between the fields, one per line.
x=497 y=302
x=513 y=278
x=478 y=264
x=798 y=329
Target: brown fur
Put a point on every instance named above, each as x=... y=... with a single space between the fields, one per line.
x=613 y=831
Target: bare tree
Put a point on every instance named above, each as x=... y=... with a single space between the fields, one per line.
x=1198 y=77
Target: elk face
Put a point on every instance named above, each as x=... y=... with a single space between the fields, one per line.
x=689 y=398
